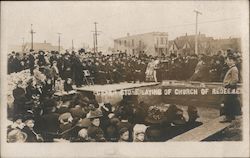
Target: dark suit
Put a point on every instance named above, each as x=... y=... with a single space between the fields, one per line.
x=49 y=126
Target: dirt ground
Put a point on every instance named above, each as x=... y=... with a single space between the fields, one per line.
x=231 y=133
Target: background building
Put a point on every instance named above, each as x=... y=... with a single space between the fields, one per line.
x=153 y=43
x=36 y=46
x=206 y=45
x=186 y=44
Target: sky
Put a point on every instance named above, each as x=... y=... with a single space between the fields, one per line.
x=75 y=20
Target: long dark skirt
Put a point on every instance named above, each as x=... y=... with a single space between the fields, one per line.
x=232 y=105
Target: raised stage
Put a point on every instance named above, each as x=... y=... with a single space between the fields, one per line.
x=116 y=87
x=114 y=97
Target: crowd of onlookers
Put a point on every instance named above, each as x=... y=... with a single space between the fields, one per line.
x=37 y=115
x=120 y=67
x=43 y=117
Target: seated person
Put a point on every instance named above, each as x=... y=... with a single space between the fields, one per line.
x=68 y=85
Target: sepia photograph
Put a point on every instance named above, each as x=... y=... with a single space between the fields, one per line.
x=127 y=78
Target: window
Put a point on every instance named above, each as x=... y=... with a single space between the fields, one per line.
x=161 y=40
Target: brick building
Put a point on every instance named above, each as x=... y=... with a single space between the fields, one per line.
x=153 y=43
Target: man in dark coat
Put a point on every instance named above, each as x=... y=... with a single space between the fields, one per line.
x=32 y=135
x=17 y=63
x=30 y=90
x=10 y=62
x=31 y=60
x=67 y=67
x=77 y=71
x=41 y=59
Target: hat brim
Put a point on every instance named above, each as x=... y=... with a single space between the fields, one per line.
x=91 y=117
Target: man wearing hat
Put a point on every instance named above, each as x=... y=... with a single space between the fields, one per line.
x=32 y=136
x=95 y=133
x=41 y=59
x=19 y=99
x=231 y=102
x=17 y=63
x=67 y=67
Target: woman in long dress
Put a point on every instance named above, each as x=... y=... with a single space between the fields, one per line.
x=150 y=71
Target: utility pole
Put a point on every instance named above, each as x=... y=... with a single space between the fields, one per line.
x=59 y=41
x=72 y=45
x=196 y=31
x=94 y=41
x=23 y=44
x=95 y=38
x=32 y=33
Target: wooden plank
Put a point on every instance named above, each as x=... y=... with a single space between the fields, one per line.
x=202 y=132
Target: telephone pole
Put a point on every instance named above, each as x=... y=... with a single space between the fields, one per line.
x=72 y=45
x=59 y=41
x=95 y=38
x=94 y=41
x=196 y=31
x=23 y=44
x=32 y=33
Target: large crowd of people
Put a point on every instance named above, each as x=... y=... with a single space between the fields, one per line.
x=120 y=67
x=39 y=116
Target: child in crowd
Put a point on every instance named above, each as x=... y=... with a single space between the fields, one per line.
x=95 y=133
x=124 y=135
x=139 y=132
x=83 y=135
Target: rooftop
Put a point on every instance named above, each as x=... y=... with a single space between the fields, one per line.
x=153 y=33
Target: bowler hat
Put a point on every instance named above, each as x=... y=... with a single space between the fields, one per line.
x=28 y=116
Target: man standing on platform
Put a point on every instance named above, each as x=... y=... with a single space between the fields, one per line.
x=231 y=102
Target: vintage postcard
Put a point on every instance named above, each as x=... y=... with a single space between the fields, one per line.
x=125 y=79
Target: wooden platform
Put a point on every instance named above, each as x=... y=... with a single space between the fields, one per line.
x=202 y=132
x=115 y=87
